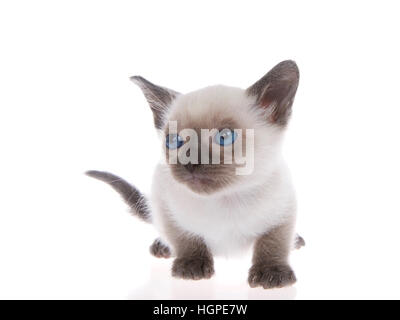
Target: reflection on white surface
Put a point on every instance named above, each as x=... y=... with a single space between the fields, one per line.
x=161 y=285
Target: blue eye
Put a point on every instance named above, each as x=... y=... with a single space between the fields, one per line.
x=225 y=137
x=173 y=141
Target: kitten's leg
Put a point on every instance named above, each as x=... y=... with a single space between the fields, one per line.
x=193 y=259
x=159 y=249
x=270 y=259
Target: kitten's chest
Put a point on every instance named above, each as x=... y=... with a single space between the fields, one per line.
x=227 y=225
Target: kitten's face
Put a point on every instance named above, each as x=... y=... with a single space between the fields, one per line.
x=212 y=111
x=214 y=132
x=215 y=110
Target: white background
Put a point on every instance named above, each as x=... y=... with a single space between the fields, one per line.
x=66 y=106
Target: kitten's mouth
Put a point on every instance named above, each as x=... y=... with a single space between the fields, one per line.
x=203 y=180
x=196 y=179
x=200 y=183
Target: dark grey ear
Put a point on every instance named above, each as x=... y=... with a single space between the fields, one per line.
x=276 y=90
x=159 y=98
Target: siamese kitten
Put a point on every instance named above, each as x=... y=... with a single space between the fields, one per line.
x=203 y=208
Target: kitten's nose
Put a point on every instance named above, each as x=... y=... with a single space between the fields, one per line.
x=190 y=167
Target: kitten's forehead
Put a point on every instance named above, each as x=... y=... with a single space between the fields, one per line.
x=212 y=107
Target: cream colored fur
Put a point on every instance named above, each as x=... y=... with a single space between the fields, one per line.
x=230 y=219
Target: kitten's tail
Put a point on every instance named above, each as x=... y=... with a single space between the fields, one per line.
x=132 y=196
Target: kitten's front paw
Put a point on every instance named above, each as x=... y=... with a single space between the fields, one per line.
x=159 y=249
x=270 y=277
x=194 y=268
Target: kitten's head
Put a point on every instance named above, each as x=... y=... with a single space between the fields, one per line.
x=222 y=138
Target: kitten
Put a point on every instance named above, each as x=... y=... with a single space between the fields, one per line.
x=204 y=209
